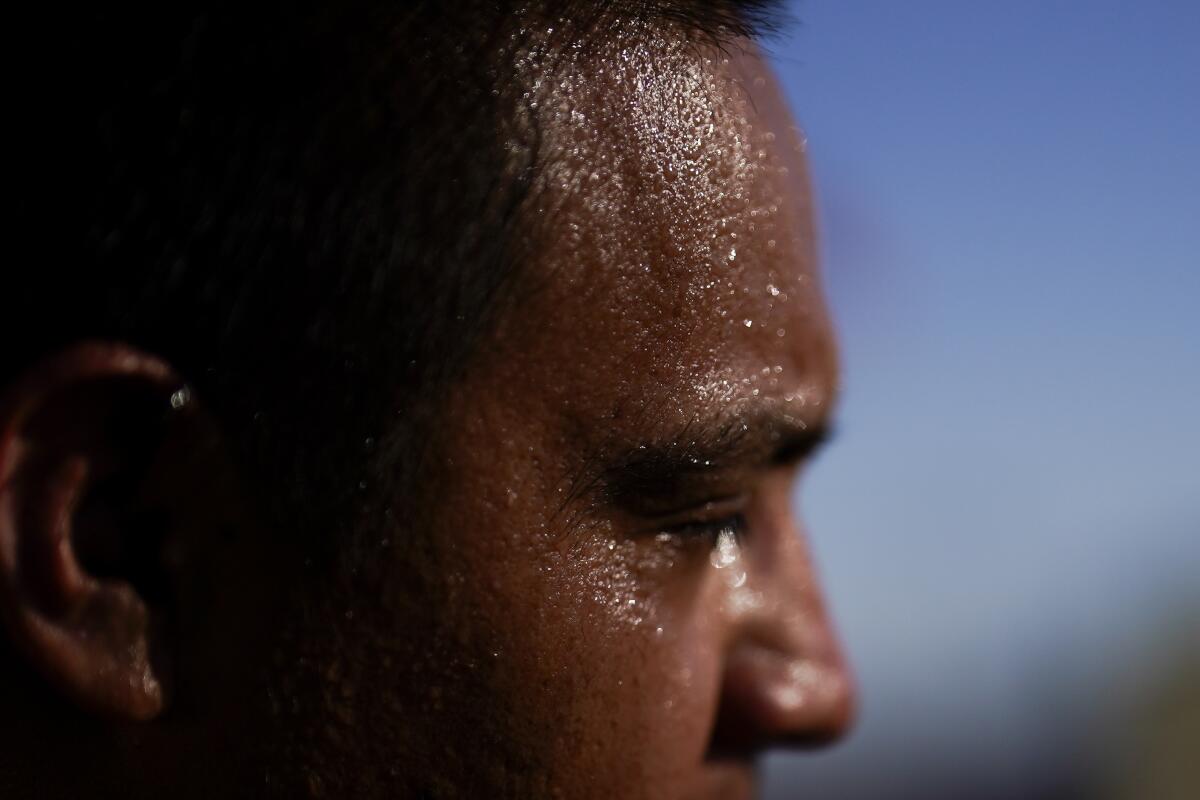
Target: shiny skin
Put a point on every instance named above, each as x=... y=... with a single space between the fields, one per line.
x=598 y=587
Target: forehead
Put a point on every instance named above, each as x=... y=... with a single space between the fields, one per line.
x=671 y=258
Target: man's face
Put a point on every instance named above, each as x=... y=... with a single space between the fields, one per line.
x=612 y=594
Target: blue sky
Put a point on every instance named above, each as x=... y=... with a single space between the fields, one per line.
x=1010 y=201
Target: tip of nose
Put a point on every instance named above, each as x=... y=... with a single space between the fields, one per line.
x=824 y=716
x=771 y=701
x=810 y=705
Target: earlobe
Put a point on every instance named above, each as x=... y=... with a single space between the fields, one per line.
x=76 y=434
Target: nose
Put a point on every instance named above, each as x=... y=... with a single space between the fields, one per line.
x=784 y=680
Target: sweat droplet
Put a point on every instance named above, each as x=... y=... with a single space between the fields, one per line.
x=727 y=551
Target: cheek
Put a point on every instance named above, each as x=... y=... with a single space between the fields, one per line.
x=630 y=647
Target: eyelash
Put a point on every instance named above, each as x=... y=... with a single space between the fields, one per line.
x=710 y=529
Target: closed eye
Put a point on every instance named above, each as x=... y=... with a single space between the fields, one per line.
x=710 y=530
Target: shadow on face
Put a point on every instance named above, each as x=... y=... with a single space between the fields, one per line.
x=601 y=590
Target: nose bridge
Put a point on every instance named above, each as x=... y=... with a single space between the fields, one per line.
x=790 y=614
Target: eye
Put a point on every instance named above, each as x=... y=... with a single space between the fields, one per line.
x=710 y=530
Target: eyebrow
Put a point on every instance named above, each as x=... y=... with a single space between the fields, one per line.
x=701 y=453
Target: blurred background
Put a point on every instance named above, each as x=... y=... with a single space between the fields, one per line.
x=1009 y=522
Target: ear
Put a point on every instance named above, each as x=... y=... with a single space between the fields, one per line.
x=82 y=547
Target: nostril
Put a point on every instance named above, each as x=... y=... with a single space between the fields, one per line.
x=769 y=699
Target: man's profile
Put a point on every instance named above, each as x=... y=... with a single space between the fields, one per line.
x=404 y=400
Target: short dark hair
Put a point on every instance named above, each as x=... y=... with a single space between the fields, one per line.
x=306 y=207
